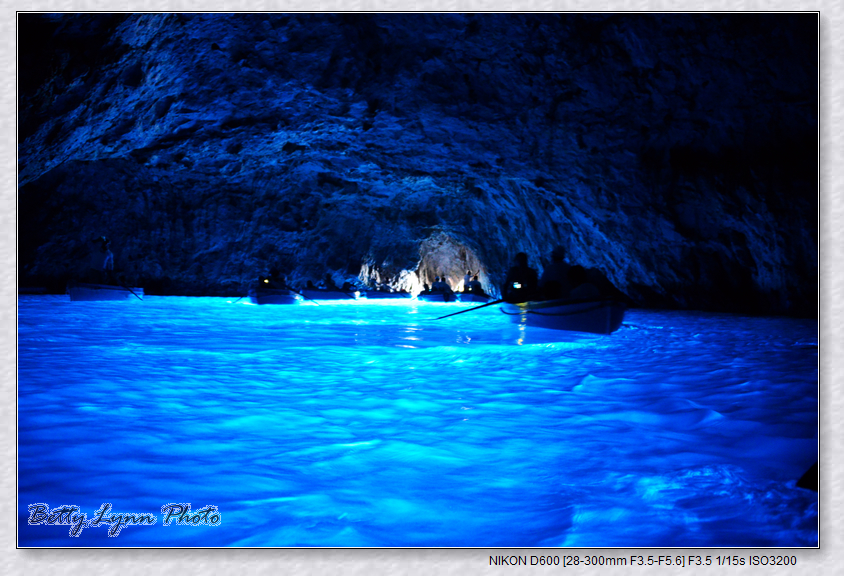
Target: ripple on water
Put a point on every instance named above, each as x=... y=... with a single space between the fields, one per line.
x=371 y=425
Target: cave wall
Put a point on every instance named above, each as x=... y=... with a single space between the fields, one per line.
x=675 y=153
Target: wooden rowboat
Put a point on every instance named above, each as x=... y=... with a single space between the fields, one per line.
x=436 y=296
x=273 y=296
x=374 y=295
x=473 y=297
x=595 y=316
x=321 y=294
x=90 y=292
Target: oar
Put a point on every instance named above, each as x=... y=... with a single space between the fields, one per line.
x=129 y=289
x=305 y=297
x=352 y=296
x=239 y=299
x=335 y=289
x=114 y=274
x=470 y=309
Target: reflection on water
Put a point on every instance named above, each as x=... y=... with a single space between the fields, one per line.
x=372 y=424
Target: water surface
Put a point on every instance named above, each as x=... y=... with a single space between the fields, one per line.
x=372 y=424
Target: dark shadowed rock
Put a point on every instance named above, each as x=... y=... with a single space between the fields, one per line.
x=674 y=155
x=809 y=480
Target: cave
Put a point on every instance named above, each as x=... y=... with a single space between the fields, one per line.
x=666 y=162
x=443 y=256
x=675 y=154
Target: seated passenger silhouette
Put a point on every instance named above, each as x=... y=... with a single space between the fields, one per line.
x=581 y=289
x=329 y=283
x=521 y=283
x=274 y=280
x=441 y=285
x=475 y=287
x=555 y=278
x=467 y=279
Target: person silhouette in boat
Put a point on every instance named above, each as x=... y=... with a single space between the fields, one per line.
x=475 y=287
x=441 y=286
x=329 y=283
x=310 y=285
x=275 y=280
x=102 y=261
x=521 y=283
x=467 y=279
x=554 y=283
x=581 y=289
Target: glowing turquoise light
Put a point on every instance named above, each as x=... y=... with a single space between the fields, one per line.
x=355 y=423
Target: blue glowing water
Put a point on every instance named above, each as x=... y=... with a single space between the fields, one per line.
x=364 y=424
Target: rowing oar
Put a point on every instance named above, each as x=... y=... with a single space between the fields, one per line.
x=130 y=290
x=349 y=294
x=470 y=309
x=113 y=276
x=305 y=297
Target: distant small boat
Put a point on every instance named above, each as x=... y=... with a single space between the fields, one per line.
x=374 y=295
x=436 y=296
x=322 y=294
x=473 y=297
x=273 y=296
x=595 y=316
x=89 y=292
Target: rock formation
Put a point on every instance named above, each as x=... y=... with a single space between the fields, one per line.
x=677 y=154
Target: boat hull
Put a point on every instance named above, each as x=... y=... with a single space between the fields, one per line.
x=593 y=316
x=92 y=292
x=437 y=297
x=328 y=295
x=383 y=295
x=470 y=297
x=273 y=296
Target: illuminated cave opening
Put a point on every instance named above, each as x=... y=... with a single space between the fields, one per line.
x=442 y=255
x=439 y=255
